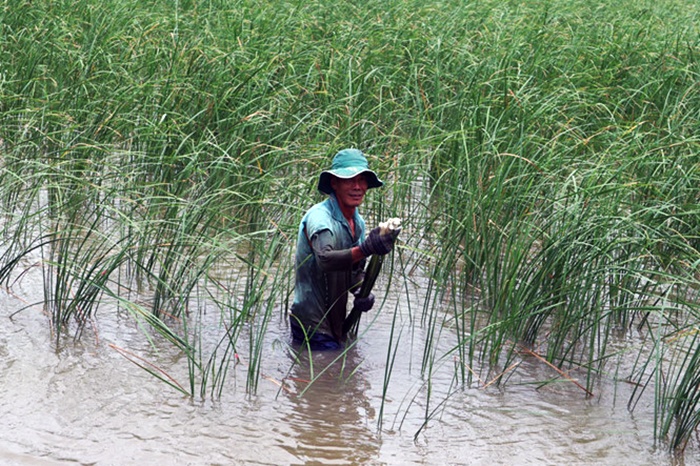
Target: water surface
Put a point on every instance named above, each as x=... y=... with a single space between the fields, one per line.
x=82 y=402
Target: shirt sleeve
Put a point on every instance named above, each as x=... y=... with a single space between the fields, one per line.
x=327 y=258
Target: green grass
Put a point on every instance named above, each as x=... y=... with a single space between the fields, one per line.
x=542 y=155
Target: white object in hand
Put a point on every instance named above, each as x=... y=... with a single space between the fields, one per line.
x=390 y=226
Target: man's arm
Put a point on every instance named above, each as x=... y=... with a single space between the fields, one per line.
x=330 y=259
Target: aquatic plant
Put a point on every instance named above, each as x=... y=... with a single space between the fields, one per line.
x=543 y=156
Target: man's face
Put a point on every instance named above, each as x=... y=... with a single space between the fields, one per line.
x=350 y=192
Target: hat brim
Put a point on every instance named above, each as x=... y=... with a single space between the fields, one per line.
x=324 y=180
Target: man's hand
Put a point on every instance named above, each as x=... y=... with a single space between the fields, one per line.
x=377 y=243
x=364 y=304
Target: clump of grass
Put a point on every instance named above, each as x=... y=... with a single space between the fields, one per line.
x=543 y=157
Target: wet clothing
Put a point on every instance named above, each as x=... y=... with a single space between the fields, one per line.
x=316 y=341
x=325 y=274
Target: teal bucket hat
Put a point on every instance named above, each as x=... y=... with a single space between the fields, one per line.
x=347 y=164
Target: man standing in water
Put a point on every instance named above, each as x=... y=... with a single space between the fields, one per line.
x=331 y=252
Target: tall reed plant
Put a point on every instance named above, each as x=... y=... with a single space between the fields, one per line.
x=542 y=155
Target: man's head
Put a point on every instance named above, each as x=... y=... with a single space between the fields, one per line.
x=348 y=164
x=350 y=192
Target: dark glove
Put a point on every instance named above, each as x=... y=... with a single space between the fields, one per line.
x=364 y=304
x=376 y=243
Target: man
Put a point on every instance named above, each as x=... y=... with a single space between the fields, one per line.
x=331 y=252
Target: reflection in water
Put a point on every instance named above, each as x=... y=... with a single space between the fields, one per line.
x=332 y=417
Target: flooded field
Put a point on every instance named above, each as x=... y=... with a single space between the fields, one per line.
x=543 y=157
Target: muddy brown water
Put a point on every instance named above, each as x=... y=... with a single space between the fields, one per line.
x=83 y=403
